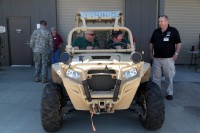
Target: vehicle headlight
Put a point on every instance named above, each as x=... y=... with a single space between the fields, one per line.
x=72 y=74
x=130 y=73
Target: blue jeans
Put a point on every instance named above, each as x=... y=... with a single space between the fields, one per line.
x=56 y=56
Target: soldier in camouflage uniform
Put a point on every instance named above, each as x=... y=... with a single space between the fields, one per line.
x=42 y=46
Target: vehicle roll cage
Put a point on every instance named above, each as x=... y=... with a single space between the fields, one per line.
x=82 y=18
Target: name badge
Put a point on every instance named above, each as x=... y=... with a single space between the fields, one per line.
x=54 y=38
x=166 y=39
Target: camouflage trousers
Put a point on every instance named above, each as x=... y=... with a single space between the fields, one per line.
x=41 y=64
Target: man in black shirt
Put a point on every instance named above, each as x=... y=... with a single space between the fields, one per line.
x=165 y=45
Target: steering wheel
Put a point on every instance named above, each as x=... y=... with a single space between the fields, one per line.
x=122 y=44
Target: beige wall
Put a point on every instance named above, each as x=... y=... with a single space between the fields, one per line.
x=67 y=9
x=185 y=16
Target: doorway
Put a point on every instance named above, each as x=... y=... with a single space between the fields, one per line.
x=18 y=39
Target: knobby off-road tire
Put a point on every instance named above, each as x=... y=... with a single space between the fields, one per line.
x=153 y=105
x=51 y=105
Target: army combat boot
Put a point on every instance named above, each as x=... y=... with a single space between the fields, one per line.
x=44 y=80
x=36 y=79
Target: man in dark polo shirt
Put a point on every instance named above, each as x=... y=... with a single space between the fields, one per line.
x=87 y=42
x=165 y=45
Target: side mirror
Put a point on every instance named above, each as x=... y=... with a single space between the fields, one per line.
x=136 y=57
x=66 y=58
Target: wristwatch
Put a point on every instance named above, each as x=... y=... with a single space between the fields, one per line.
x=176 y=53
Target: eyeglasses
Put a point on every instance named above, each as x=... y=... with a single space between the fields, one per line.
x=91 y=34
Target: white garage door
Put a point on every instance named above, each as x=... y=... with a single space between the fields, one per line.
x=185 y=16
x=67 y=9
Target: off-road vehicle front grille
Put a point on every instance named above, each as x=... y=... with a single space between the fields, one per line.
x=101 y=83
x=101 y=71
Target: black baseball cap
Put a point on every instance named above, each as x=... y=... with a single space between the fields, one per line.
x=43 y=22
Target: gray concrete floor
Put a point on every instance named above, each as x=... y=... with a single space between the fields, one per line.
x=20 y=107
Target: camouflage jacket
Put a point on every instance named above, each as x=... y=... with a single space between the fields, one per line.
x=41 y=41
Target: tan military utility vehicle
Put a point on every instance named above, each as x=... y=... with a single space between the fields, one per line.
x=101 y=80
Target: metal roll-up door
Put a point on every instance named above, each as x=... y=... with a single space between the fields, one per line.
x=67 y=9
x=185 y=16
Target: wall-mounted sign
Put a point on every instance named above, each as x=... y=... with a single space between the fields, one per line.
x=18 y=31
x=38 y=26
x=2 y=29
